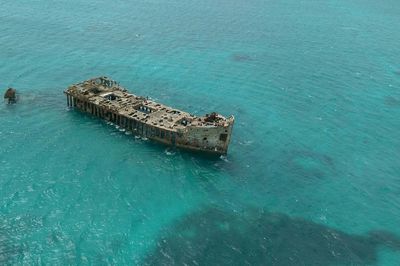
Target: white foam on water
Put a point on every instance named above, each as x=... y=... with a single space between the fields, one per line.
x=169 y=152
x=246 y=142
x=224 y=158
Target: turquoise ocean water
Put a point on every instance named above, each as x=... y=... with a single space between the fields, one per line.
x=313 y=172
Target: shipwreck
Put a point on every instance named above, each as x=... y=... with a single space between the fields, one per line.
x=105 y=98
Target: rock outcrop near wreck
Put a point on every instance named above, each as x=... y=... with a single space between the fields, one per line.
x=10 y=95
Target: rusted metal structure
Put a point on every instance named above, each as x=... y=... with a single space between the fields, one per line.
x=106 y=99
x=10 y=95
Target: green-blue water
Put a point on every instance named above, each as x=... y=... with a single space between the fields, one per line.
x=313 y=172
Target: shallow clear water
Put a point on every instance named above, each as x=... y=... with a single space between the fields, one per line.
x=313 y=171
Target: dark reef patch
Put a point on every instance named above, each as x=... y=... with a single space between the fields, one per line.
x=9 y=250
x=241 y=58
x=392 y=101
x=12 y=247
x=297 y=166
x=117 y=244
x=256 y=237
x=307 y=163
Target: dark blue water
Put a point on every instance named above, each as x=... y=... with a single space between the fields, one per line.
x=313 y=172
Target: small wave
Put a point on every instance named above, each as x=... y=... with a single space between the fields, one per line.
x=246 y=142
x=169 y=152
x=323 y=218
x=224 y=158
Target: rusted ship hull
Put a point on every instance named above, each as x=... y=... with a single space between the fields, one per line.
x=106 y=99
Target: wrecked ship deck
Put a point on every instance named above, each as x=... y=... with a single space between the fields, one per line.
x=106 y=99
